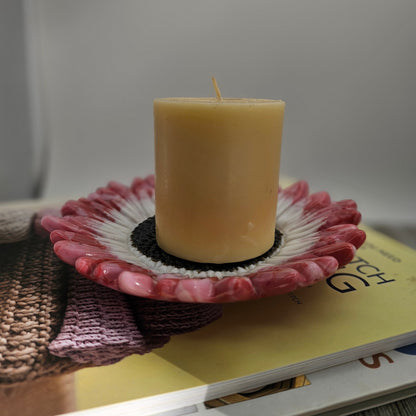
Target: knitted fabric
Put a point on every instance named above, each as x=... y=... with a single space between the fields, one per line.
x=100 y=326
x=54 y=321
x=15 y=224
x=32 y=306
x=173 y=318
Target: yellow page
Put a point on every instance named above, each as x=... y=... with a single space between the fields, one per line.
x=371 y=299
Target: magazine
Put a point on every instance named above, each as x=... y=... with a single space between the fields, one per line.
x=366 y=307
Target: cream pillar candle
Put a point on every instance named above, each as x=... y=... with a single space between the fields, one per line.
x=217 y=175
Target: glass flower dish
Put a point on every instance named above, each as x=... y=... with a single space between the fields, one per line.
x=109 y=238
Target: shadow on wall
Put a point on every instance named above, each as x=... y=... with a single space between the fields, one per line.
x=17 y=179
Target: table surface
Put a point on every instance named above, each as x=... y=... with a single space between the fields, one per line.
x=406 y=407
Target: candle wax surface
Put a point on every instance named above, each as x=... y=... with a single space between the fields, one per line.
x=217 y=176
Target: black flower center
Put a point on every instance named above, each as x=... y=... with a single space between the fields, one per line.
x=143 y=238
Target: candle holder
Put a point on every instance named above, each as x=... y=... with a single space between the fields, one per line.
x=109 y=238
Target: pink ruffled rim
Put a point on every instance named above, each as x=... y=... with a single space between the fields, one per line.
x=79 y=239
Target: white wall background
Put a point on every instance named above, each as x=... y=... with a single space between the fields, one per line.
x=17 y=176
x=347 y=71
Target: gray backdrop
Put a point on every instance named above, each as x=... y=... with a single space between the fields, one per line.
x=345 y=69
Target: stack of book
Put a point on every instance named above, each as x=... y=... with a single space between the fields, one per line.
x=295 y=354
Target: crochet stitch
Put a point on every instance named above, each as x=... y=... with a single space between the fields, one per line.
x=32 y=306
x=15 y=224
x=161 y=318
x=102 y=326
x=99 y=326
x=54 y=321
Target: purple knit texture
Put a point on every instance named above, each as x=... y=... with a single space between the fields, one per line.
x=102 y=326
x=99 y=326
x=172 y=318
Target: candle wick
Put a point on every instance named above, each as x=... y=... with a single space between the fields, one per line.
x=217 y=90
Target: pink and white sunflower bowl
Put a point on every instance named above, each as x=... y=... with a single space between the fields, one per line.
x=109 y=238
